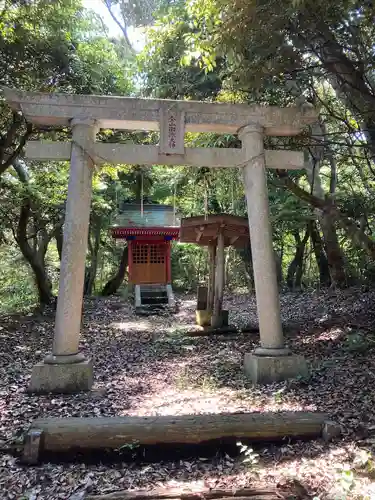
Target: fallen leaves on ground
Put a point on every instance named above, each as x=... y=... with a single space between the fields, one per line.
x=146 y=366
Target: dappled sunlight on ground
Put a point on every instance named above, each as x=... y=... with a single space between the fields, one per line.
x=147 y=366
x=133 y=326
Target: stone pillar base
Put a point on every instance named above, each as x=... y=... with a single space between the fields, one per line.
x=61 y=378
x=268 y=369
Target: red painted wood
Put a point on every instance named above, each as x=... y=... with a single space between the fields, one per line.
x=122 y=232
x=168 y=262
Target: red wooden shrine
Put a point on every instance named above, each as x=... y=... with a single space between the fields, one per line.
x=149 y=233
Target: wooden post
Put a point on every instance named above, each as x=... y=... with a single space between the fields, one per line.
x=219 y=282
x=211 y=278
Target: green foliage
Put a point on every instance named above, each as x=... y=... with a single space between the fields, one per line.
x=167 y=72
x=265 y=52
x=357 y=342
x=17 y=291
x=347 y=474
x=50 y=46
x=251 y=458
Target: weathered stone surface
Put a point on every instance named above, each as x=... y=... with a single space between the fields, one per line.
x=118 y=154
x=172 y=131
x=268 y=369
x=62 y=379
x=77 y=216
x=266 y=288
x=170 y=295
x=144 y=114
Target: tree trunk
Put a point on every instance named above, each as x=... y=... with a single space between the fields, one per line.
x=90 y=275
x=296 y=266
x=279 y=268
x=114 y=283
x=358 y=237
x=335 y=257
x=248 y=264
x=320 y=255
x=34 y=258
x=58 y=235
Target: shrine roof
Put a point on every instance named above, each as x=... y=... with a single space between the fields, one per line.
x=203 y=230
x=133 y=215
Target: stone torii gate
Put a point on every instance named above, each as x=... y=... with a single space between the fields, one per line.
x=66 y=369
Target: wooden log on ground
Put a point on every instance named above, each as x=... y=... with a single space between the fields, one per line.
x=185 y=494
x=224 y=330
x=112 y=433
x=182 y=493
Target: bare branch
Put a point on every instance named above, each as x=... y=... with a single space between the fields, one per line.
x=107 y=3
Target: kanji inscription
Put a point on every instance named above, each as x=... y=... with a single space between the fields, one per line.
x=172 y=132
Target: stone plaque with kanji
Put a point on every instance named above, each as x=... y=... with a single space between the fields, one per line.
x=172 y=132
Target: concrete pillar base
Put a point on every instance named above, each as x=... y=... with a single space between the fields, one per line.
x=67 y=359
x=61 y=378
x=269 y=369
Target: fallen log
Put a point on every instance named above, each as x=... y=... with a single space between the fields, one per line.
x=127 y=495
x=56 y=435
x=181 y=493
x=224 y=330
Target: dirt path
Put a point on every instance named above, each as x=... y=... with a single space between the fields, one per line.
x=145 y=366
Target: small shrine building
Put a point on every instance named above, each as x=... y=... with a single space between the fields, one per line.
x=149 y=230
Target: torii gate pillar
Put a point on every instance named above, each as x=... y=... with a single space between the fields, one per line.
x=66 y=370
x=272 y=361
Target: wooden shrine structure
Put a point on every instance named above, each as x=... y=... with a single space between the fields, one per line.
x=215 y=232
x=149 y=230
x=66 y=369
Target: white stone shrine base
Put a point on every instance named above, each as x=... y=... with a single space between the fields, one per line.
x=268 y=369
x=61 y=378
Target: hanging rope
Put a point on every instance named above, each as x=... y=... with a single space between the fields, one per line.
x=206 y=203
x=174 y=202
x=233 y=207
x=142 y=194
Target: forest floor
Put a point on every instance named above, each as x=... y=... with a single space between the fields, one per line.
x=146 y=366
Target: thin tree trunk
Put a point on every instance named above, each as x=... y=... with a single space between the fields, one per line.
x=91 y=271
x=296 y=266
x=35 y=259
x=58 y=235
x=354 y=233
x=114 y=283
x=335 y=257
x=279 y=268
x=313 y=163
x=320 y=256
